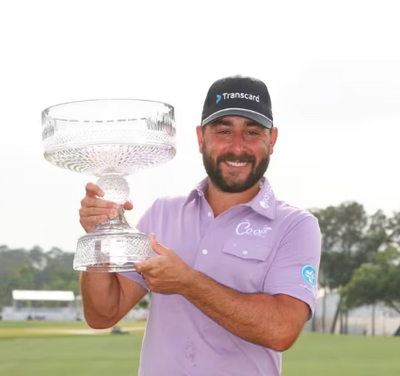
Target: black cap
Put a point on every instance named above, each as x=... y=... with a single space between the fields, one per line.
x=238 y=96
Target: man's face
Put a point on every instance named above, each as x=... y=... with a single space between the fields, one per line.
x=236 y=152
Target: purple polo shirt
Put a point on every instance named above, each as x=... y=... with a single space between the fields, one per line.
x=264 y=245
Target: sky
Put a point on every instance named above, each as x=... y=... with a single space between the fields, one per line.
x=332 y=69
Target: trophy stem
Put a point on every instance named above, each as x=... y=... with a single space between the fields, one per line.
x=115 y=223
x=113 y=245
x=115 y=187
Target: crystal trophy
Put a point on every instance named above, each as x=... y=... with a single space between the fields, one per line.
x=110 y=139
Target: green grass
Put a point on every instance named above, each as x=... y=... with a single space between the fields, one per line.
x=332 y=355
x=21 y=329
x=43 y=349
x=74 y=355
x=41 y=324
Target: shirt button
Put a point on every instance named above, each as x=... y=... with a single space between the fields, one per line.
x=209 y=214
x=245 y=252
x=204 y=251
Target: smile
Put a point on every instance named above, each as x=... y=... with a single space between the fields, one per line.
x=237 y=164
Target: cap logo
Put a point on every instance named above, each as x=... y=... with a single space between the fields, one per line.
x=250 y=97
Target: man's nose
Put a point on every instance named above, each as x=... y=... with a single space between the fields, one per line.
x=238 y=143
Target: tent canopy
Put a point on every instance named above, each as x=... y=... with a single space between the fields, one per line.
x=43 y=295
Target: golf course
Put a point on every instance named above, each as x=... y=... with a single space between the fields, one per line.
x=38 y=348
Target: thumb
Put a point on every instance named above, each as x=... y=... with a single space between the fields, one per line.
x=157 y=247
x=128 y=205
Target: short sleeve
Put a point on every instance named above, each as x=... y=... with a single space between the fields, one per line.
x=144 y=226
x=294 y=270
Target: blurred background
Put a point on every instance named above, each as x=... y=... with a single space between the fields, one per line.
x=332 y=69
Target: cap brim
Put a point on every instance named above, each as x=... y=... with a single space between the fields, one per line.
x=252 y=115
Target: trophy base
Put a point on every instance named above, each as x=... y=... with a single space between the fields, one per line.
x=112 y=247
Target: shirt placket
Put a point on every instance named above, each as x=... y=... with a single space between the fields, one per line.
x=214 y=233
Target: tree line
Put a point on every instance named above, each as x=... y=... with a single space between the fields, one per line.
x=360 y=261
x=360 y=258
x=35 y=269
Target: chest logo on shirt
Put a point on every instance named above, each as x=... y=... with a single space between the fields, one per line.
x=244 y=228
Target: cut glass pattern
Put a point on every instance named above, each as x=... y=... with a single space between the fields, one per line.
x=110 y=139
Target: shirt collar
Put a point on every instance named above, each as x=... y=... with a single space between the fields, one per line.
x=263 y=203
x=199 y=190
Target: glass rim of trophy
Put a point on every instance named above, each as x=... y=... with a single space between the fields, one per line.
x=110 y=139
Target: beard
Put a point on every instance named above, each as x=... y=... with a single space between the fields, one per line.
x=215 y=173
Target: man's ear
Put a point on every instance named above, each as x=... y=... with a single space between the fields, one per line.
x=200 y=136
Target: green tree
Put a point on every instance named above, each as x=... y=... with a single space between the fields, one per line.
x=349 y=238
x=65 y=280
x=376 y=282
x=10 y=262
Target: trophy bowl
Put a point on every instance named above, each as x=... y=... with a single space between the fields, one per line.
x=110 y=139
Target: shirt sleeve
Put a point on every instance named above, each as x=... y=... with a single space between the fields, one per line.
x=294 y=270
x=144 y=226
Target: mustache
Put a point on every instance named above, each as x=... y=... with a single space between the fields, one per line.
x=235 y=158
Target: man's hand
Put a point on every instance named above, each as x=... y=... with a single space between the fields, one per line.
x=167 y=273
x=95 y=210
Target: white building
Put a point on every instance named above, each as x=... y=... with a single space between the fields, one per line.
x=43 y=305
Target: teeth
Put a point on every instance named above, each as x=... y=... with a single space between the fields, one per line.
x=236 y=164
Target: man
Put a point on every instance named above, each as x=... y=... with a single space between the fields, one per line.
x=235 y=277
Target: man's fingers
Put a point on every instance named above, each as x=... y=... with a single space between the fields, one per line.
x=95 y=210
x=158 y=247
x=90 y=212
x=146 y=266
x=93 y=190
x=128 y=205
x=91 y=202
x=93 y=220
x=143 y=267
x=89 y=222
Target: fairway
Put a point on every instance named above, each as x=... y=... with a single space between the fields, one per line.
x=334 y=355
x=47 y=349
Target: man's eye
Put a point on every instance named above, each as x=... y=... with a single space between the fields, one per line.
x=223 y=132
x=252 y=133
